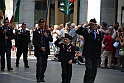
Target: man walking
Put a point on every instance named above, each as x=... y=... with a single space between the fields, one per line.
x=6 y=35
x=22 y=40
x=91 y=50
x=41 y=38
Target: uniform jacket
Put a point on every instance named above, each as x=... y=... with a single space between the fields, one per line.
x=37 y=43
x=9 y=34
x=67 y=52
x=92 y=48
x=22 y=39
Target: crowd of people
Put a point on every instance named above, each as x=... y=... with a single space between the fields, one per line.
x=110 y=34
x=94 y=45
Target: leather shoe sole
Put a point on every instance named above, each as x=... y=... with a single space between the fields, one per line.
x=42 y=80
x=27 y=66
x=9 y=69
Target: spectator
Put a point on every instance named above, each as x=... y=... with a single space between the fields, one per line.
x=72 y=33
x=107 y=50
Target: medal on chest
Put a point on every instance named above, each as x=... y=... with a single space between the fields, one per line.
x=68 y=49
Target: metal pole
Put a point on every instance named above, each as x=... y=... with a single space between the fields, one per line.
x=69 y=22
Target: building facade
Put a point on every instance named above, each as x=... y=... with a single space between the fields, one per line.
x=32 y=10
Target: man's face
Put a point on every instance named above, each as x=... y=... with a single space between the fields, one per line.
x=66 y=40
x=23 y=26
x=71 y=27
x=94 y=26
x=61 y=26
x=42 y=25
x=6 y=22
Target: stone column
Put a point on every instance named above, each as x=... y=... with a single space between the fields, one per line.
x=108 y=11
x=120 y=15
x=83 y=11
x=27 y=13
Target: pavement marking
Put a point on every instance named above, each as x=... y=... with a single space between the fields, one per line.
x=20 y=77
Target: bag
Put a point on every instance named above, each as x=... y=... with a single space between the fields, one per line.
x=103 y=46
x=121 y=52
x=116 y=44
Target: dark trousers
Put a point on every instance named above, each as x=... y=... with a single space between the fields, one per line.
x=66 y=72
x=6 y=50
x=114 y=59
x=91 y=70
x=122 y=58
x=19 y=53
x=41 y=66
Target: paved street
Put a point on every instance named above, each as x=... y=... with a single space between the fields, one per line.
x=53 y=73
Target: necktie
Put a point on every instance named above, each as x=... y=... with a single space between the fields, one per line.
x=6 y=28
x=41 y=37
x=23 y=31
x=94 y=33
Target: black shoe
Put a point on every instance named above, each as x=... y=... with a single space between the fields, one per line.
x=42 y=80
x=122 y=70
x=9 y=69
x=39 y=80
x=63 y=82
x=17 y=65
x=108 y=67
x=26 y=66
x=2 y=69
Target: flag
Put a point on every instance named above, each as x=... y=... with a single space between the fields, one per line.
x=16 y=12
x=2 y=9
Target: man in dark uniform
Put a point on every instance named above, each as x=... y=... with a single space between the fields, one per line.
x=91 y=50
x=66 y=56
x=6 y=35
x=22 y=40
x=41 y=38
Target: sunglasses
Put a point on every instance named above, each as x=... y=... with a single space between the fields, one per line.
x=94 y=24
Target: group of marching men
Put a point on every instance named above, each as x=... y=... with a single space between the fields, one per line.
x=41 y=38
x=22 y=38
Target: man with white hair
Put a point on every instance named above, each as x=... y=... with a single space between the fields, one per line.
x=72 y=32
x=62 y=30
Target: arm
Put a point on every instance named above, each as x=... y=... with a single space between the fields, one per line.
x=72 y=52
x=73 y=55
x=57 y=42
x=28 y=36
x=12 y=36
x=1 y=32
x=49 y=37
x=79 y=31
x=35 y=42
x=105 y=41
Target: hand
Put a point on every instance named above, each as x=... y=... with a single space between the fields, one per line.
x=19 y=33
x=70 y=62
x=82 y=24
x=43 y=49
x=6 y=37
x=45 y=34
x=4 y=31
x=61 y=38
x=79 y=26
x=90 y=23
